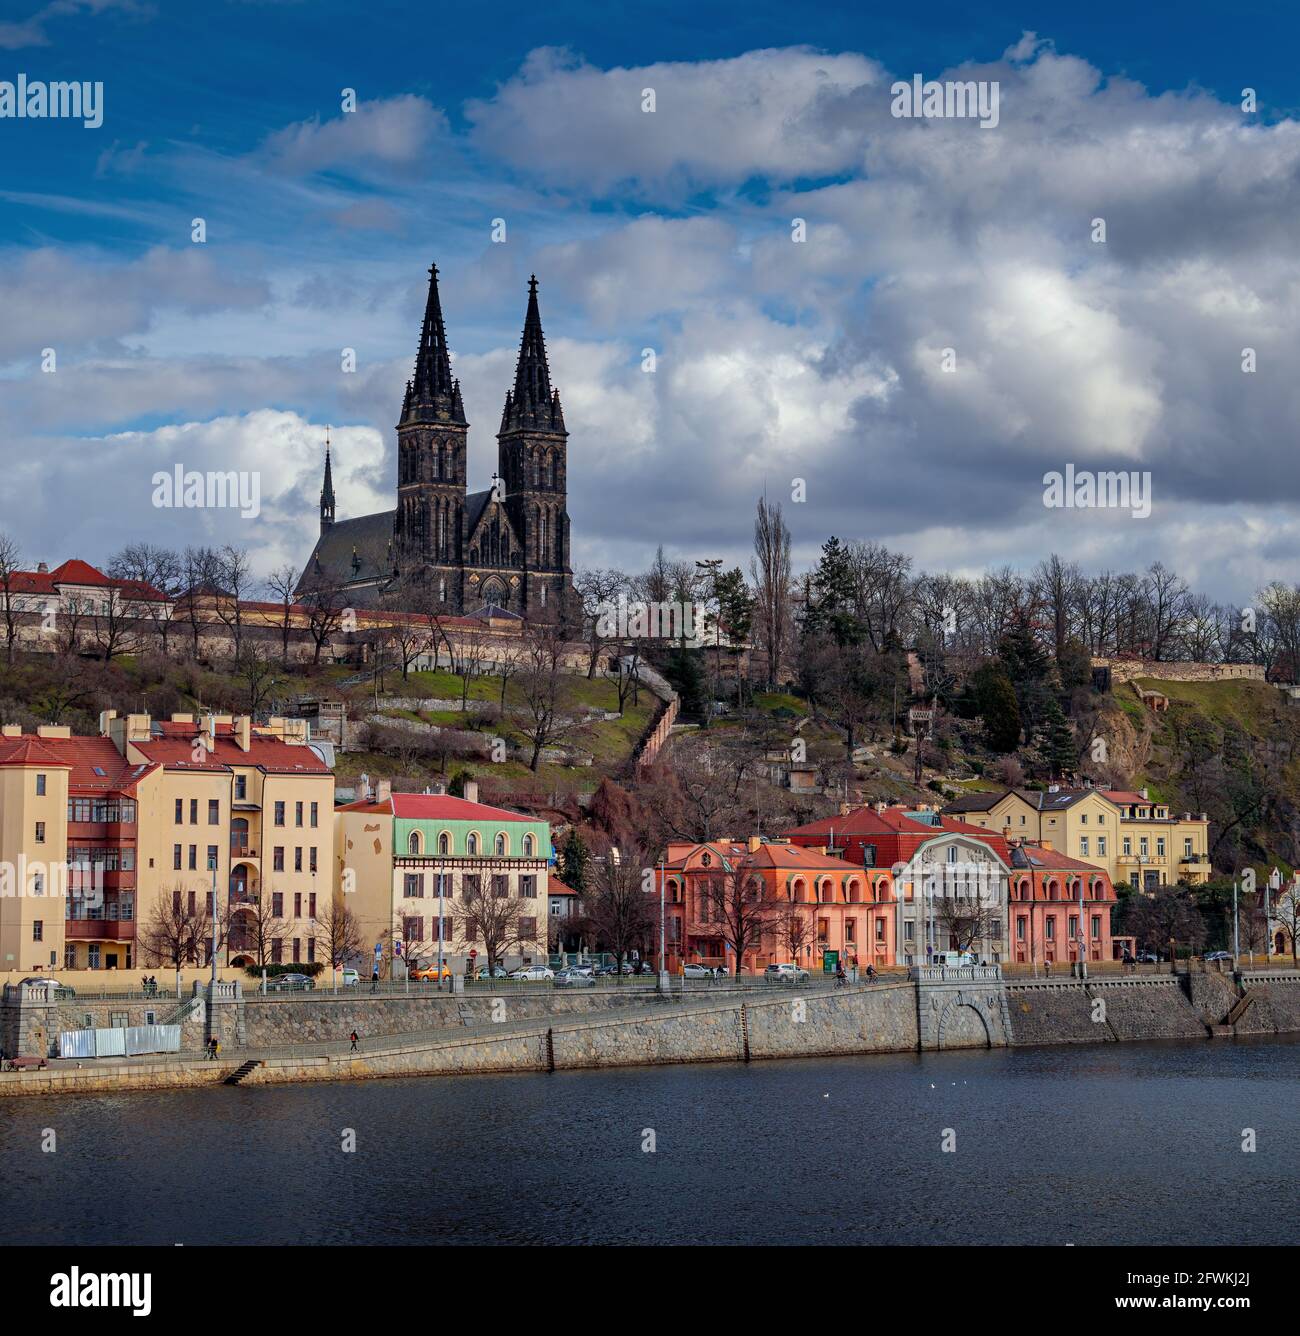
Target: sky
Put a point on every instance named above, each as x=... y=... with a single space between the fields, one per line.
x=944 y=330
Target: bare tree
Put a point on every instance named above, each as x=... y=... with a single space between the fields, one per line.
x=178 y=930
x=491 y=917
x=620 y=910
x=544 y=689
x=407 y=636
x=10 y=565
x=255 y=670
x=255 y=927
x=741 y=907
x=599 y=588
x=327 y=604
x=158 y=568
x=282 y=585
x=236 y=578
x=771 y=572
x=338 y=932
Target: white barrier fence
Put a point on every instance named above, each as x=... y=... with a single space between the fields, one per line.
x=120 y=1042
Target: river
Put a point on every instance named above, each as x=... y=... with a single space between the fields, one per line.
x=1123 y=1143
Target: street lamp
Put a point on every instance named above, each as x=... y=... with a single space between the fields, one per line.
x=212 y=867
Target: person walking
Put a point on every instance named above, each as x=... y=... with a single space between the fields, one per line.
x=374 y=979
x=353 y=1038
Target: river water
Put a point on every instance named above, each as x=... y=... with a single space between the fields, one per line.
x=1126 y=1143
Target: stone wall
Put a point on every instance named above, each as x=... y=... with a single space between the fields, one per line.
x=1125 y=670
x=1065 y=1012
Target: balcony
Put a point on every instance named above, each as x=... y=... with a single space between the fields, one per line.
x=99 y=930
x=242 y=849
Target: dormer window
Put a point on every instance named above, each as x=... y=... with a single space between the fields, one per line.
x=706 y=860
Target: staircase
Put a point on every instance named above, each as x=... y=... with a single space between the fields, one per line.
x=1241 y=1007
x=238 y=1075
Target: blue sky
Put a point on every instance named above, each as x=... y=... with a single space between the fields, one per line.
x=670 y=232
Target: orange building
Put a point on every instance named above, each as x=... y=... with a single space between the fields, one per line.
x=1044 y=889
x=808 y=904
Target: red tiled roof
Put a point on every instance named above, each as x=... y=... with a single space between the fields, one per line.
x=554 y=886
x=75 y=571
x=95 y=764
x=176 y=751
x=443 y=807
x=1051 y=860
x=367 y=805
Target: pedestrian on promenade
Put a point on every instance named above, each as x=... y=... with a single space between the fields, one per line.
x=374 y=979
x=216 y=1047
x=1047 y=969
x=353 y=1037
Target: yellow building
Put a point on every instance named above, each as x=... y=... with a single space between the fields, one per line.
x=1135 y=838
x=95 y=832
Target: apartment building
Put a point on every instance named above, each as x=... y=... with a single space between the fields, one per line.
x=414 y=868
x=1133 y=837
x=97 y=832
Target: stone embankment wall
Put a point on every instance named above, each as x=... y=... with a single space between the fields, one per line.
x=1125 y=670
x=1067 y=1012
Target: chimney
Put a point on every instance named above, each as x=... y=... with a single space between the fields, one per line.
x=383 y=790
x=846 y=809
x=11 y=731
x=1143 y=792
x=471 y=790
x=42 y=568
x=243 y=731
x=208 y=731
x=366 y=790
x=754 y=842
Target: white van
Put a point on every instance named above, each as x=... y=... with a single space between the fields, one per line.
x=349 y=978
x=952 y=959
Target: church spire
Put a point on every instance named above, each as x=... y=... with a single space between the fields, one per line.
x=532 y=402
x=432 y=386
x=327 y=491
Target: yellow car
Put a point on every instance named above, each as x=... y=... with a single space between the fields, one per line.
x=429 y=973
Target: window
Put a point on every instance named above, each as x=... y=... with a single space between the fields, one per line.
x=413 y=885
x=471 y=929
x=530 y=846
x=528 y=928
x=297 y=814
x=297 y=951
x=297 y=858
x=277 y=904
x=500 y=886
x=952 y=853
x=880 y=930
x=471 y=884
x=1160 y=846
x=471 y=843
x=311 y=905
x=1083 y=846
x=93 y=953
x=315 y=812
x=214 y=811
x=311 y=859
x=501 y=844
x=1144 y=846
x=180 y=810
x=194 y=811
x=194 y=857
x=212 y=855
x=444 y=843
x=1187 y=847
x=297 y=904
x=909 y=931
x=527 y=887
x=412 y=930
x=277 y=952
x=241 y=787
x=1049 y=928
x=38 y=930
x=279 y=814
x=40 y=786
x=1020 y=928
x=850 y=930
x=1096 y=926
x=277 y=858
x=413 y=842
x=1083 y=818
x=1128 y=846
x=40 y=832
x=1101 y=846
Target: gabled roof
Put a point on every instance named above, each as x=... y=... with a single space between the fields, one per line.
x=28 y=750
x=95 y=765
x=1050 y=860
x=434 y=807
x=172 y=745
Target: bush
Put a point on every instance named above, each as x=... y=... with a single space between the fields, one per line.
x=312 y=969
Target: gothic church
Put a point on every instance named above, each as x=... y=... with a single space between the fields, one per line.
x=506 y=547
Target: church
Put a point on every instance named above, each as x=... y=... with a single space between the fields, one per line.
x=506 y=547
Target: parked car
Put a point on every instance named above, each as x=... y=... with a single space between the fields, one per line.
x=484 y=972
x=603 y=971
x=429 y=972
x=1219 y=955
x=572 y=978
x=349 y=978
x=532 y=972
x=290 y=983
x=585 y=967
x=61 y=990
x=1147 y=958
x=694 y=970
x=785 y=974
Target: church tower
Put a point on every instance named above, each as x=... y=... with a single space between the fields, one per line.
x=533 y=465
x=431 y=462
x=327 y=491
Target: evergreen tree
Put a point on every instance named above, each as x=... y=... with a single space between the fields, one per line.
x=995 y=699
x=831 y=608
x=575 y=859
x=1056 y=742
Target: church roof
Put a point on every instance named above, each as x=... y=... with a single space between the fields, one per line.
x=432 y=393
x=351 y=551
x=532 y=404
